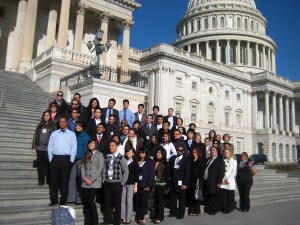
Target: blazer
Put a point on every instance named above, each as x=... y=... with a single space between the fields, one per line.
x=181 y=174
x=112 y=129
x=93 y=170
x=230 y=174
x=103 y=147
x=197 y=172
x=139 y=144
x=174 y=120
x=149 y=132
x=115 y=112
x=134 y=170
x=193 y=144
x=215 y=175
x=146 y=174
x=143 y=120
x=91 y=127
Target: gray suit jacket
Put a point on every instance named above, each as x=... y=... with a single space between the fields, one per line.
x=144 y=117
x=149 y=132
x=93 y=170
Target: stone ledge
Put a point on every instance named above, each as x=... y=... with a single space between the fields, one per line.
x=283 y=166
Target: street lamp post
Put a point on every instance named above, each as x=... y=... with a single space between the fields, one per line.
x=99 y=48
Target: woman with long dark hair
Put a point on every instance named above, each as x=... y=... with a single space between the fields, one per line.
x=130 y=187
x=146 y=178
x=162 y=176
x=168 y=146
x=40 y=146
x=91 y=175
x=93 y=104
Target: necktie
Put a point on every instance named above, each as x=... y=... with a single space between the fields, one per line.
x=124 y=118
x=190 y=142
x=99 y=139
x=148 y=127
x=111 y=111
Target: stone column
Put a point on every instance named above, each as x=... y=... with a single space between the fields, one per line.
x=269 y=59
x=218 y=56
x=63 y=24
x=104 y=18
x=274 y=113
x=127 y=24
x=238 y=54
x=281 y=128
x=19 y=33
x=29 y=32
x=248 y=54
x=267 y=110
x=184 y=31
x=256 y=55
x=208 y=52
x=293 y=120
x=189 y=48
x=264 y=58
x=287 y=114
x=197 y=50
x=274 y=61
x=79 y=26
x=254 y=110
x=51 y=28
x=228 y=52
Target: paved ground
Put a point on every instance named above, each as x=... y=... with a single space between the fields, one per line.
x=280 y=213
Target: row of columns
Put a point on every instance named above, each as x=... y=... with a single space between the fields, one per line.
x=285 y=104
x=26 y=25
x=264 y=56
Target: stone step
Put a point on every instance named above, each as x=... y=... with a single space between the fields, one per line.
x=33 y=112
x=17 y=135
x=25 y=154
x=19 y=162
x=21 y=118
x=17 y=170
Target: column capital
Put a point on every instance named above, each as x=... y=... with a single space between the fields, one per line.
x=80 y=8
x=127 y=24
x=253 y=93
x=54 y=4
x=105 y=17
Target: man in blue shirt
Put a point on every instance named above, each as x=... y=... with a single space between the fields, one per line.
x=62 y=150
x=73 y=120
x=126 y=113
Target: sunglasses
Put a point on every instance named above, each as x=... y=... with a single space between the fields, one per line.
x=179 y=150
x=59 y=95
x=74 y=104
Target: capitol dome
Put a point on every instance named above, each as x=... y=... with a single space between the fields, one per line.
x=231 y=32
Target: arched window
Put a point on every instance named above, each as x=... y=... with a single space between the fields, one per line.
x=232 y=54
x=214 y=22
x=252 y=25
x=238 y=117
x=198 y=25
x=287 y=152
x=230 y=22
x=210 y=113
x=223 y=55
x=222 y=22
x=227 y=112
x=246 y=24
x=213 y=54
x=281 y=152
x=239 y=23
x=274 y=152
x=206 y=24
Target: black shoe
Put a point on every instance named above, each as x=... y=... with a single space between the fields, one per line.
x=212 y=213
x=245 y=210
x=41 y=183
x=63 y=203
x=171 y=215
x=226 y=211
x=52 y=203
x=179 y=217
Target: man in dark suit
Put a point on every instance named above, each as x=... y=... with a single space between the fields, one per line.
x=92 y=123
x=171 y=118
x=155 y=111
x=180 y=169
x=133 y=141
x=102 y=139
x=111 y=127
x=213 y=176
x=190 y=143
x=110 y=110
x=178 y=140
x=164 y=130
x=149 y=128
x=140 y=115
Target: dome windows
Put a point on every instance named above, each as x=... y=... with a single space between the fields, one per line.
x=239 y=23
x=206 y=24
x=214 y=22
x=246 y=24
x=222 y=22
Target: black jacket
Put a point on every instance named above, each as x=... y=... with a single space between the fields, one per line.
x=36 y=138
x=91 y=127
x=216 y=173
x=103 y=147
x=181 y=174
x=115 y=112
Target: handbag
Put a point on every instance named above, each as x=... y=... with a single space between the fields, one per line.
x=35 y=163
x=198 y=195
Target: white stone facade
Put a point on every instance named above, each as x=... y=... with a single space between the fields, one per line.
x=220 y=72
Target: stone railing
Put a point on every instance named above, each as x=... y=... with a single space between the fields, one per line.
x=132 y=51
x=185 y=55
x=64 y=54
x=273 y=77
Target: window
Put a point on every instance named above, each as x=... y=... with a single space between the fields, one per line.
x=238 y=97
x=192 y=27
x=194 y=85
x=238 y=121
x=253 y=57
x=210 y=90
x=226 y=94
x=222 y=21
x=210 y=113
x=198 y=25
x=185 y=48
x=227 y=117
x=2 y=10
x=213 y=54
x=214 y=22
x=206 y=24
x=238 y=146
x=193 y=48
x=232 y=54
x=230 y=22
x=246 y=24
x=178 y=81
x=185 y=29
x=204 y=52
x=239 y=23
x=178 y=109
x=194 y=113
x=252 y=25
x=223 y=55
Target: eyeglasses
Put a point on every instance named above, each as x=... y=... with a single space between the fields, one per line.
x=179 y=150
x=74 y=104
x=59 y=95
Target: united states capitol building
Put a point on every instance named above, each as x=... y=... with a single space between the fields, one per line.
x=220 y=72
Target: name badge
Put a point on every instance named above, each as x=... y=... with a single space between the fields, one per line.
x=147 y=137
x=155 y=178
x=110 y=173
x=111 y=133
x=140 y=177
x=180 y=183
x=176 y=167
x=44 y=131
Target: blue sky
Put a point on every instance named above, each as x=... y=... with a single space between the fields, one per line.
x=156 y=20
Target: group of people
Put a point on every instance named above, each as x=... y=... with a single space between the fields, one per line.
x=121 y=159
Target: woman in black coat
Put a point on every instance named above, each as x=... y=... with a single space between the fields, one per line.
x=197 y=171
x=245 y=173
x=40 y=146
x=162 y=176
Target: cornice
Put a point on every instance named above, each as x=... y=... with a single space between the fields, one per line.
x=129 y=3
